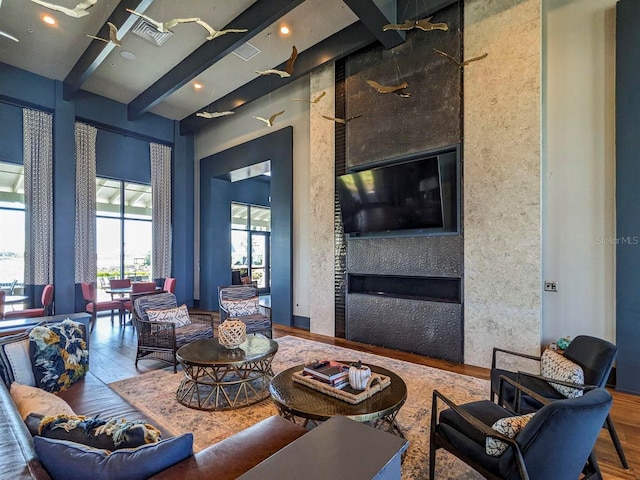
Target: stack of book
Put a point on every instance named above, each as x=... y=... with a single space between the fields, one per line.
x=330 y=372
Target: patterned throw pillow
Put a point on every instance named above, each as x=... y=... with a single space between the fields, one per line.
x=15 y=363
x=509 y=427
x=556 y=366
x=179 y=315
x=94 y=432
x=32 y=400
x=59 y=355
x=242 y=308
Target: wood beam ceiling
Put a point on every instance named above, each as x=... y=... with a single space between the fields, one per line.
x=256 y=18
x=98 y=51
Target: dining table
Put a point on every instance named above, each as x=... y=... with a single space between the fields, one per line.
x=13 y=299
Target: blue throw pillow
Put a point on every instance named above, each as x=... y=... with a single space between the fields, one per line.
x=73 y=461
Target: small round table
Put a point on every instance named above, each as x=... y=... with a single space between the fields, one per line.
x=216 y=378
x=294 y=400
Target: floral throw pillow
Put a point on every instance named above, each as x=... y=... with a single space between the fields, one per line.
x=59 y=355
x=509 y=427
x=556 y=366
x=242 y=308
x=179 y=316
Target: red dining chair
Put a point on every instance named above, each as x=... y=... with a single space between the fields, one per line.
x=169 y=285
x=45 y=310
x=119 y=283
x=2 y=295
x=93 y=306
x=136 y=288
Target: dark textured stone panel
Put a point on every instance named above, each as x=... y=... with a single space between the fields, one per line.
x=432 y=329
x=392 y=126
x=439 y=256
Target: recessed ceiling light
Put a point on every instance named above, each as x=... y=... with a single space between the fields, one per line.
x=284 y=30
x=197 y=85
x=127 y=55
x=49 y=20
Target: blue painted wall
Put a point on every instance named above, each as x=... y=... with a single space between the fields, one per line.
x=122 y=153
x=215 y=215
x=627 y=195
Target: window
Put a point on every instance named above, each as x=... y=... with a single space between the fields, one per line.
x=123 y=230
x=251 y=225
x=12 y=228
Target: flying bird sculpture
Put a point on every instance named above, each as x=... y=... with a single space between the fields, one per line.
x=269 y=121
x=342 y=121
x=214 y=114
x=165 y=27
x=213 y=33
x=288 y=70
x=113 y=36
x=424 y=24
x=79 y=11
x=463 y=63
x=315 y=100
x=397 y=89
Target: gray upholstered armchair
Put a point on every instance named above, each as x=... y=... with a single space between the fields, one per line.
x=555 y=442
x=161 y=339
x=241 y=302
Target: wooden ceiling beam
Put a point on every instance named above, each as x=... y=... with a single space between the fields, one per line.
x=256 y=18
x=337 y=46
x=98 y=51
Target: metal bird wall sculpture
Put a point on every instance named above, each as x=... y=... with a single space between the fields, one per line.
x=424 y=24
x=214 y=114
x=79 y=11
x=397 y=89
x=113 y=36
x=342 y=121
x=213 y=33
x=269 y=121
x=460 y=64
x=288 y=71
x=315 y=100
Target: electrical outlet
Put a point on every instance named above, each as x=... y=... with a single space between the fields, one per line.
x=550 y=286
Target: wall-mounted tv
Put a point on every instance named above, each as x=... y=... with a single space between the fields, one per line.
x=404 y=196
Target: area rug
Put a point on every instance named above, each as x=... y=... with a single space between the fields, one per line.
x=154 y=394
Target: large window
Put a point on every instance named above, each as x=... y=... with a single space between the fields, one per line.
x=251 y=226
x=123 y=230
x=12 y=228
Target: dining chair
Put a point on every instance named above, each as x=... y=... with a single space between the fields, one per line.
x=93 y=306
x=2 y=295
x=169 y=285
x=136 y=289
x=119 y=283
x=44 y=311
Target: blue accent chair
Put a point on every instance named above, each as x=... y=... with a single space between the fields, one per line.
x=557 y=443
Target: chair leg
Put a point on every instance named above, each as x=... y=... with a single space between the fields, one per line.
x=616 y=441
x=432 y=458
x=591 y=470
x=93 y=321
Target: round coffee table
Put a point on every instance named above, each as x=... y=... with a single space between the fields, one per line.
x=216 y=378
x=300 y=403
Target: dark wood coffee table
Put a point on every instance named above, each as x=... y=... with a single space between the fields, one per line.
x=216 y=378
x=302 y=404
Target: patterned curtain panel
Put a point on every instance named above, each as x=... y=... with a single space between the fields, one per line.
x=161 y=198
x=38 y=193
x=85 y=235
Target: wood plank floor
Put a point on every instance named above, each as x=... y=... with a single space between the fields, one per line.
x=113 y=353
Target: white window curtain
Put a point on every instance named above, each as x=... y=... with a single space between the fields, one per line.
x=85 y=233
x=38 y=194
x=161 y=208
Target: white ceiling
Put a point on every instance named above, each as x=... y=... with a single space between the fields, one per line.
x=53 y=51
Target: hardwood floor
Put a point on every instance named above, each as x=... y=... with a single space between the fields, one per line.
x=113 y=353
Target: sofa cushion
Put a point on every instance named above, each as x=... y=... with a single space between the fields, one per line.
x=66 y=460
x=15 y=363
x=556 y=366
x=59 y=355
x=95 y=432
x=35 y=400
x=179 y=316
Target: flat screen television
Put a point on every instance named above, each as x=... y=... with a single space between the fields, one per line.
x=405 y=196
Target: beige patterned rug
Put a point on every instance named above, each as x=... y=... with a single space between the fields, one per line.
x=154 y=394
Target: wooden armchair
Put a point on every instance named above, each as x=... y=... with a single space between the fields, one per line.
x=160 y=340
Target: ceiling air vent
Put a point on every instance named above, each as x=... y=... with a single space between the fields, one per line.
x=144 y=29
x=246 y=51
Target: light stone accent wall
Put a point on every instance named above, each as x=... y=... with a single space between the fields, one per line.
x=502 y=219
x=321 y=197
